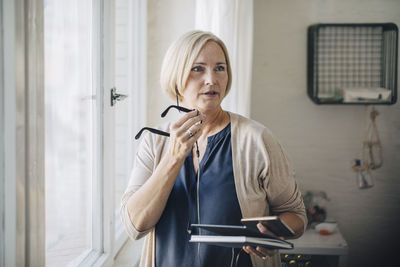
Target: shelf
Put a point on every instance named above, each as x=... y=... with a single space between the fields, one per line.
x=352 y=63
x=320 y=250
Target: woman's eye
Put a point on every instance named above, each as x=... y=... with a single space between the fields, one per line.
x=197 y=68
x=220 y=68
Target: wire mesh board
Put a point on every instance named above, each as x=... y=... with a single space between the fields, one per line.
x=352 y=63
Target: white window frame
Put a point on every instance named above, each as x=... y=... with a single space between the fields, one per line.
x=112 y=241
x=137 y=81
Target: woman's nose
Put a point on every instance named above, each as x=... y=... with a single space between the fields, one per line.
x=210 y=78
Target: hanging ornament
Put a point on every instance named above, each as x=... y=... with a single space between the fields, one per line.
x=371 y=152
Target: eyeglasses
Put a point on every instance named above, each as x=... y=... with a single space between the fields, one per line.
x=156 y=131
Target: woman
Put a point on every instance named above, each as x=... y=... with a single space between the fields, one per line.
x=215 y=168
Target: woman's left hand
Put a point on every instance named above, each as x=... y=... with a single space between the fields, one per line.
x=261 y=251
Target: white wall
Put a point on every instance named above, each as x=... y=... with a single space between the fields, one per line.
x=321 y=139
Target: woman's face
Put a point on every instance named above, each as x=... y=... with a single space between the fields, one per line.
x=206 y=85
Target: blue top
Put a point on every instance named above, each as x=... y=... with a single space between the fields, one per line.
x=218 y=205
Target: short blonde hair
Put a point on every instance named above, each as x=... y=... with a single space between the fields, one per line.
x=179 y=59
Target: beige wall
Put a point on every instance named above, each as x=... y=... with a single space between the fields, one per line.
x=321 y=139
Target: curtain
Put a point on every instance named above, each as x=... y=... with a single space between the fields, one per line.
x=232 y=21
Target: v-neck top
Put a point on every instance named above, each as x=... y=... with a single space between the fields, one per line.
x=218 y=204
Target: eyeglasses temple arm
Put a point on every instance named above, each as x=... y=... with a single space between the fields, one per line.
x=177 y=107
x=156 y=131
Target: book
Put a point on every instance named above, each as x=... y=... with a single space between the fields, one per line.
x=237 y=236
x=240 y=241
x=273 y=223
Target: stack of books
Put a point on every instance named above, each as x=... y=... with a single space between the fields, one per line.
x=246 y=234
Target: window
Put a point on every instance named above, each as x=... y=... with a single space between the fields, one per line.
x=90 y=47
x=70 y=130
x=76 y=46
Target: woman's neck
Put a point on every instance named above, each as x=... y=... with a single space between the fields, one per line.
x=214 y=122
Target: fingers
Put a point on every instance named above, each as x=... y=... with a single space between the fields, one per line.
x=253 y=251
x=266 y=252
x=185 y=118
x=187 y=126
x=196 y=132
x=265 y=230
x=184 y=133
x=259 y=251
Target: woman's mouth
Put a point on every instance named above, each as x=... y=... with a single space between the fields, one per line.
x=210 y=93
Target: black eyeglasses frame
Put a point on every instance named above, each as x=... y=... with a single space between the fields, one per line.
x=163 y=114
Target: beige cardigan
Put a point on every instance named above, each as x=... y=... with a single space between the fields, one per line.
x=263 y=176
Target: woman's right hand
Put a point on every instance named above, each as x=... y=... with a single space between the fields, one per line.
x=184 y=133
x=147 y=204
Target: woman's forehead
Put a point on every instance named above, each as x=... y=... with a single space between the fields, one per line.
x=211 y=51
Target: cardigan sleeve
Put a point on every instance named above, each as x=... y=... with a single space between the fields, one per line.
x=142 y=170
x=283 y=194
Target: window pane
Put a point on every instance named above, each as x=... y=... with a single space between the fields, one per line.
x=123 y=110
x=69 y=132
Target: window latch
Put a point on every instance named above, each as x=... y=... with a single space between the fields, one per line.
x=116 y=97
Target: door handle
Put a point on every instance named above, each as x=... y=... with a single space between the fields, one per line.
x=116 y=97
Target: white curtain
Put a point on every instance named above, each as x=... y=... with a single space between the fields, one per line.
x=232 y=21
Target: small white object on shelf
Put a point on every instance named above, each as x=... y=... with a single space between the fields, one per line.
x=326 y=228
x=352 y=95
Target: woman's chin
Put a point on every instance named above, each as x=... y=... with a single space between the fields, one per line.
x=204 y=106
x=210 y=107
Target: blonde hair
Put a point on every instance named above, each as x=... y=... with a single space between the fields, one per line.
x=180 y=57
